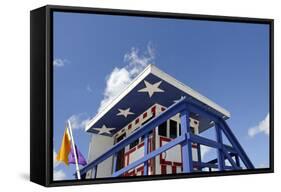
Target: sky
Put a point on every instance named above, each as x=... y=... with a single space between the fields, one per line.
x=96 y=56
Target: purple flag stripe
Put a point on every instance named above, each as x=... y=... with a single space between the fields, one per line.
x=80 y=157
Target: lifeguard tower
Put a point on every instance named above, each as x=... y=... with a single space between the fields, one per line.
x=153 y=128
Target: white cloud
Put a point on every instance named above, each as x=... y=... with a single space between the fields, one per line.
x=59 y=62
x=59 y=175
x=262 y=127
x=204 y=150
x=137 y=62
x=120 y=78
x=55 y=162
x=79 y=121
x=89 y=89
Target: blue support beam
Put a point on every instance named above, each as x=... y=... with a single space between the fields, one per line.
x=220 y=154
x=237 y=160
x=229 y=149
x=210 y=143
x=95 y=169
x=146 y=143
x=114 y=163
x=230 y=159
x=187 y=164
x=204 y=141
x=226 y=130
x=198 y=147
x=236 y=145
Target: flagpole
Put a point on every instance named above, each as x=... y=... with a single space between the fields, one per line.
x=74 y=150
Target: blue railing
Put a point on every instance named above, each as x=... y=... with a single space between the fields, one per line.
x=184 y=107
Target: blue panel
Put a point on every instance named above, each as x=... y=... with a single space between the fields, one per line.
x=134 y=97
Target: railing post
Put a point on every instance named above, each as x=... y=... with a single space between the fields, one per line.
x=114 y=162
x=187 y=163
x=199 y=156
x=95 y=169
x=146 y=143
x=237 y=161
x=220 y=154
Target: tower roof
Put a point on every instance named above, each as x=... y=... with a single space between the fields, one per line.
x=151 y=86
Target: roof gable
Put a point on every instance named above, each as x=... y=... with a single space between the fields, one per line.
x=149 y=87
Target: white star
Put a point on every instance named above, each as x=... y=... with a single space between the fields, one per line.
x=151 y=88
x=103 y=129
x=125 y=112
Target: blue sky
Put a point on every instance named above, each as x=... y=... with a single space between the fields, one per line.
x=227 y=62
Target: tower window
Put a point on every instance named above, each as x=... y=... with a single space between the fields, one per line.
x=162 y=129
x=173 y=129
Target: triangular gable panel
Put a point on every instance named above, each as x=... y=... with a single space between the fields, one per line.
x=138 y=102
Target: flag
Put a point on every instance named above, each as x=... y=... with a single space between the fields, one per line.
x=65 y=148
x=80 y=158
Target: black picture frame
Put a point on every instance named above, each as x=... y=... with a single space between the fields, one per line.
x=41 y=108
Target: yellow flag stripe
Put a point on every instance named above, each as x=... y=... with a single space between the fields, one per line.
x=65 y=148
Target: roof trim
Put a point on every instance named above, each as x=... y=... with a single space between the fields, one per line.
x=181 y=86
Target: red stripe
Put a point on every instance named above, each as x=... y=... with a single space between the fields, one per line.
x=130 y=126
x=153 y=109
x=194 y=145
x=144 y=115
x=130 y=151
x=140 y=169
x=127 y=155
x=164 y=162
x=132 y=173
x=177 y=164
x=163 y=169
x=137 y=121
x=140 y=145
x=174 y=169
